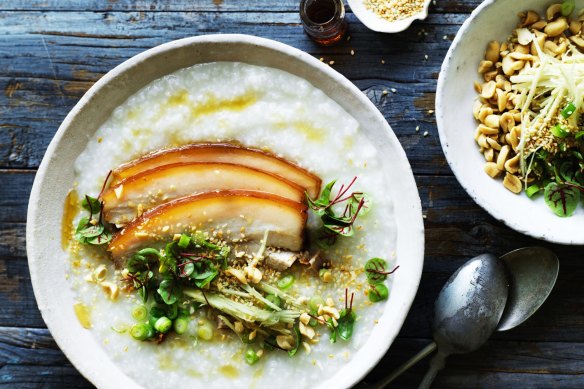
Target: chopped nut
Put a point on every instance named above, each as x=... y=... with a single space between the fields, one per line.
x=306 y=330
x=285 y=342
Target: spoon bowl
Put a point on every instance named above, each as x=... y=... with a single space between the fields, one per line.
x=470 y=305
x=533 y=272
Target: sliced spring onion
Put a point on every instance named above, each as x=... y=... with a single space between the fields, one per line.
x=142 y=331
x=579 y=134
x=532 y=190
x=568 y=110
x=139 y=313
x=184 y=241
x=315 y=301
x=285 y=282
x=180 y=325
x=163 y=324
x=277 y=301
x=205 y=330
x=251 y=357
x=559 y=132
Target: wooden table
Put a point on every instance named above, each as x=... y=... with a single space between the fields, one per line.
x=52 y=51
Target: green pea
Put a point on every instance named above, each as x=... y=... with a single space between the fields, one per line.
x=163 y=324
x=251 y=357
x=378 y=292
x=285 y=282
x=141 y=331
x=140 y=313
x=181 y=324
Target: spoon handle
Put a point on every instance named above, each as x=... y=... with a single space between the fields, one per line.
x=415 y=359
x=436 y=364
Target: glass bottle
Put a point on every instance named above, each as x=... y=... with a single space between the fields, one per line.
x=323 y=20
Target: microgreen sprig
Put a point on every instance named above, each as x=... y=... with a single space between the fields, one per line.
x=91 y=230
x=357 y=203
x=376 y=275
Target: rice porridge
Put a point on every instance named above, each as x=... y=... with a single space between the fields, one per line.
x=238 y=107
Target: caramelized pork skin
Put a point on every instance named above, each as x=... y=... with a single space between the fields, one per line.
x=222 y=152
x=150 y=188
x=239 y=214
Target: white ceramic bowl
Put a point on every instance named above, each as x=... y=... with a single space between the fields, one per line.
x=55 y=177
x=493 y=19
x=377 y=23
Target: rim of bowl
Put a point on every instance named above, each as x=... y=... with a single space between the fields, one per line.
x=377 y=23
x=477 y=197
x=374 y=348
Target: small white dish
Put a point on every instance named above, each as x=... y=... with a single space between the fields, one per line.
x=377 y=23
x=48 y=261
x=492 y=20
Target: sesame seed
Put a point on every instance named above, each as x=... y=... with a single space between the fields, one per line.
x=393 y=90
x=352 y=52
x=331 y=62
x=382 y=61
x=384 y=92
x=430 y=111
x=417 y=128
x=425 y=133
x=321 y=59
x=426 y=57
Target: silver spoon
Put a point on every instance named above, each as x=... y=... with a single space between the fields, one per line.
x=532 y=272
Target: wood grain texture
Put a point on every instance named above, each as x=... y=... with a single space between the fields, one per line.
x=53 y=51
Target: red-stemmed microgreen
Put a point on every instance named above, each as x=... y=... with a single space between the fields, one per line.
x=346 y=322
x=562 y=199
x=91 y=230
x=376 y=275
x=357 y=203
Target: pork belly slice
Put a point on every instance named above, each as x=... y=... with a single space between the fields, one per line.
x=222 y=152
x=147 y=189
x=246 y=214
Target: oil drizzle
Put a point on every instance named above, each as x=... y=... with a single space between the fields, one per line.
x=70 y=210
x=229 y=371
x=83 y=313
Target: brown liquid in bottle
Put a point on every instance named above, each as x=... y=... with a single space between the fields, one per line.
x=323 y=20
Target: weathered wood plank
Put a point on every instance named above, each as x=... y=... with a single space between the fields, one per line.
x=200 y=5
x=34 y=377
x=61 y=54
x=544 y=363
x=498 y=364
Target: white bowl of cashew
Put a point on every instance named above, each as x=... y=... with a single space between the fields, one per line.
x=455 y=96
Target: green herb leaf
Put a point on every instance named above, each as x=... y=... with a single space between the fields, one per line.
x=354 y=201
x=331 y=326
x=346 y=323
x=343 y=230
x=320 y=205
x=562 y=199
x=297 y=341
x=378 y=292
x=206 y=276
x=91 y=204
x=375 y=270
x=169 y=291
x=103 y=238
